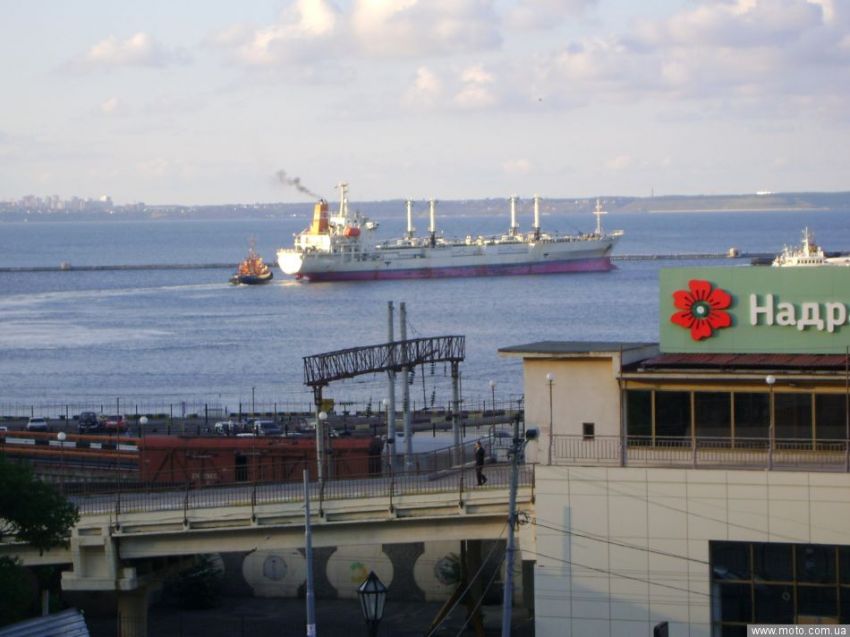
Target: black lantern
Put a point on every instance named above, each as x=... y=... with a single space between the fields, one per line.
x=372 y=594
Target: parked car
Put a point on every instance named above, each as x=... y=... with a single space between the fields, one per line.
x=115 y=424
x=225 y=428
x=267 y=428
x=36 y=423
x=88 y=423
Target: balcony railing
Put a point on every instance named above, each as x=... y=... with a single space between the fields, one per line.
x=703 y=452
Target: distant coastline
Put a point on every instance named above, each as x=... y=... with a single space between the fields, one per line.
x=37 y=210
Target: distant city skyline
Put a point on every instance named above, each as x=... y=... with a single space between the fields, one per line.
x=205 y=103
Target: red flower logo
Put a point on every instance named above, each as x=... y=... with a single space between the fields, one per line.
x=701 y=309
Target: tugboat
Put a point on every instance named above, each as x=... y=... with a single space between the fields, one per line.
x=252 y=271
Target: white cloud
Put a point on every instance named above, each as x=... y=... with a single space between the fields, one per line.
x=747 y=49
x=545 y=14
x=517 y=167
x=476 y=89
x=306 y=30
x=315 y=30
x=110 y=105
x=620 y=162
x=426 y=90
x=139 y=49
x=157 y=167
x=396 y=28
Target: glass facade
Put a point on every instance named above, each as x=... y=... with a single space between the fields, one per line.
x=758 y=582
x=742 y=419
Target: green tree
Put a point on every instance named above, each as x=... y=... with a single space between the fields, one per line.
x=34 y=512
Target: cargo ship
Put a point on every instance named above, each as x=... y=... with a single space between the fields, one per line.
x=333 y=249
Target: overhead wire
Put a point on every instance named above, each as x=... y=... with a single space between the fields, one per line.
x=618 y=574
x=536 y=522
x=470 y=583
x=471 y=614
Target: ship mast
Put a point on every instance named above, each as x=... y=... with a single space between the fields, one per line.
x=514 y=229
x=536 y=225
x=343 y=202
x=410 y=227
x=599 y=212
x=432 y=226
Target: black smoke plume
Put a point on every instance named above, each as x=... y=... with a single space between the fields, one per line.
x=296 y=183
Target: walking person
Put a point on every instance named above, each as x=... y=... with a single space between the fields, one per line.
x=479 y=463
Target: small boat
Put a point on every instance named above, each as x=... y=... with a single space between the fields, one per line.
x=252 y=271
x=807 y=255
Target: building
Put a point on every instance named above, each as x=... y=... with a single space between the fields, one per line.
x=701 y=481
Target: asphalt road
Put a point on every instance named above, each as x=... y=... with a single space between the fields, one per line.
x=267 y=617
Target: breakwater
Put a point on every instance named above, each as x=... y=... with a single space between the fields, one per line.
x=67 y=267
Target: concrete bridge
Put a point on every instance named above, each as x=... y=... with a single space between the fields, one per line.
x=126 y=541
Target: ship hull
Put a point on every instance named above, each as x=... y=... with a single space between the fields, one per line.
x=462 y=261
x=602 y=264
x=251 y=279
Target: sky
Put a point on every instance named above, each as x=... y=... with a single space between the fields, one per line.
x=207 y=101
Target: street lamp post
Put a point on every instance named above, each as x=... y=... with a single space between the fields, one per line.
x=373 y=594
x=321 y=417
x=493 y=394
x=771 y=433
x=385 y=404
x=550 y=379
x=253 y=407
x=61 y=438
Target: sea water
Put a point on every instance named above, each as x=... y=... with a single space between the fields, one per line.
x=126 y=338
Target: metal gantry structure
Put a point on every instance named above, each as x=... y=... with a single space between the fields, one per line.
x=321 y=369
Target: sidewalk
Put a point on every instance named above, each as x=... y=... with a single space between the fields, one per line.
x=265 y=617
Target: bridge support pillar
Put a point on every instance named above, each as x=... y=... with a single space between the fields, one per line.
x=133 y=613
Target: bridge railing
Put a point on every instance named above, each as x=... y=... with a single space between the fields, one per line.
x=153 y=498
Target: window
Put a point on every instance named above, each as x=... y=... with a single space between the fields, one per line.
x=639 y=416
x=793 y=414
x=713 y=414
x=752 y=416
x=588 y=430
x=830 y=417
x=672 y=415
x=770 y=582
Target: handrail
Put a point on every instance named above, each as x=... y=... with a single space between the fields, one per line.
x=804 y=454
x=186 y=497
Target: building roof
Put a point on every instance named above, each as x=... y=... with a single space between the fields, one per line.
x=803 y=362
x=555 y=348
x=68 y=623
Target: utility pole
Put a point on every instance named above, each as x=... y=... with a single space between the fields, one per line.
x=508 y=591
x=391 y=393
x=405 y=393
x=456 y=413
x=310 y=594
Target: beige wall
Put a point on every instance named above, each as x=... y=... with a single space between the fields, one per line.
x=621 y=576
x=583 y=390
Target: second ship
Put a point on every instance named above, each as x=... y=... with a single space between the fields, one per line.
x=333 y=249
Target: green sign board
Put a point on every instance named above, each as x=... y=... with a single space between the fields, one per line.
x=757 y=309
